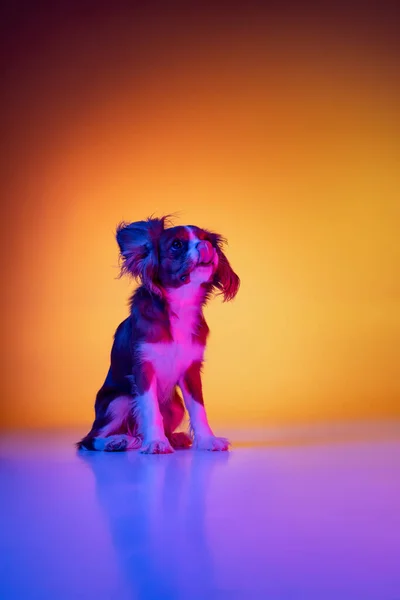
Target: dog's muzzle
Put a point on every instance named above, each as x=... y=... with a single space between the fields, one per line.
x=206 y=252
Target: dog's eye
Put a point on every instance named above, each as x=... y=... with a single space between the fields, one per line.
x=176 y=244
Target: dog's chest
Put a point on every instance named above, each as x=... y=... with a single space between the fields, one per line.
x=170 y=360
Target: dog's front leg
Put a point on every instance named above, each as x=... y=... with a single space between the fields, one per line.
x=192 y=391
x=147 y=412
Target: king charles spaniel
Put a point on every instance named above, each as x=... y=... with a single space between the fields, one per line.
x=160 y=346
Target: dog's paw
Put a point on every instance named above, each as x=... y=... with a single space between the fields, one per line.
x=212 y=443
x=115 y=443
x=157 y=447
x=180 y=440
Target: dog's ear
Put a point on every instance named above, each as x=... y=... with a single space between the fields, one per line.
x=138 y=243
x=225 y=278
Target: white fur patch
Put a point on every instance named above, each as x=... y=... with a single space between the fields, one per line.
x=148 y=415
x=170 y=360
x=119 y=410
x=193 y=241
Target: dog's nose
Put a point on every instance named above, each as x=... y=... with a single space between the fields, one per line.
x=206 y=251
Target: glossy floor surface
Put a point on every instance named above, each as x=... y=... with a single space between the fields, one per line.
x=314 y=520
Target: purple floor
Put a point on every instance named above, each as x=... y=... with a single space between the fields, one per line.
x=289 y=520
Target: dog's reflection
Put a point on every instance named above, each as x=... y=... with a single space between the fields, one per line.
x=156 y=507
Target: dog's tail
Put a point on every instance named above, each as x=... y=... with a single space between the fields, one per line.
x=87 y=442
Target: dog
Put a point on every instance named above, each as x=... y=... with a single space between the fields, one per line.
x=161 y=345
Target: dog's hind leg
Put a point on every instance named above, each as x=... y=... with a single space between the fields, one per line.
x=117 y=443
x=114 y=432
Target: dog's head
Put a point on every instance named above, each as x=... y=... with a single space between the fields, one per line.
x=171 y=257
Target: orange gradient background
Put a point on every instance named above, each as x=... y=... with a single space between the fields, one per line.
x=278 y=129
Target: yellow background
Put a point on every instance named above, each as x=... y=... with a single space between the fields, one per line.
x=284 y=138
